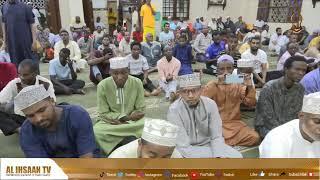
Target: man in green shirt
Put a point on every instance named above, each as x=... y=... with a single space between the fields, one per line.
x=120 y=107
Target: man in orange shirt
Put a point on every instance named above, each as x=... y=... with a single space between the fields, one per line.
x=228 y=98
x=148 y=22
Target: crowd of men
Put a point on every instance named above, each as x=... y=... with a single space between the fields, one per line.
x=203 y=121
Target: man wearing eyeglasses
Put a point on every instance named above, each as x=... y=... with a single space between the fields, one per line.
x=198 y=117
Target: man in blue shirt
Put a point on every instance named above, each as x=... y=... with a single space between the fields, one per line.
x=53 y=131
x=183 y=52
x=197 y=25
x=213 y=52
x=63 y=76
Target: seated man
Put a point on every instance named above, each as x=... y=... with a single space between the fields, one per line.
x=166 y=37
x=10 y=117
x=168 y=68
x=75 y=53
x=280 y=100
x=229 y=97
x=201 y=44
x=63 y=75
x=260 y=59
x=124 y=45
x=274 y=41
x=198 y=118
x=314 y=51
x=298 y=138
x=120 y=106
x=138 y=67
x=158 y=140
x=100 y=65
x=183 y=52
x=214 y=50
x=106 y=43
x=292 y=49
x=85 y=44
x=152 y=51
x=53 y=131
x=311 y=82
x=77 y=28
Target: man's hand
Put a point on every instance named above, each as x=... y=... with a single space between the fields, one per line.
x=34 y=46
x=169 y=78
x=247 y=80
x=70 y=63
x=124 y=119
x=135 y=116
x=144 y=81
x=117 y=122
x=108 y=56
x=221 y=79
x=5 y=47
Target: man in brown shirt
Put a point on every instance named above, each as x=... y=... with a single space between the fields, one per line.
x=228 y=98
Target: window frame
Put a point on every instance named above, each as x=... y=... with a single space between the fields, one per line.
x=175 y=10
x=265 y=8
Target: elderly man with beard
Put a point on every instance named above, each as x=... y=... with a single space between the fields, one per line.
x=299 y=138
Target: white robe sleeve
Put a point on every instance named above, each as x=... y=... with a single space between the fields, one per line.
x=274 y=146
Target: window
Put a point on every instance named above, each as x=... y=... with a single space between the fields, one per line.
x=279 y=11
x=176 y=8
x=41 y=4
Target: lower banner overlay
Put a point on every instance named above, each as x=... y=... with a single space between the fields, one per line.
x=159 y=168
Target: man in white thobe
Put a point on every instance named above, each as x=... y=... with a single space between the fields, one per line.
x=274 y=41
x=299 y=138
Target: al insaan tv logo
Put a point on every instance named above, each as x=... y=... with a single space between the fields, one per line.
x=28 y=170
x=36 y=168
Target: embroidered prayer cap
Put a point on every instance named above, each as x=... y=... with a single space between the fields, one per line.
x=311 y=103
x=189 y=80
x=245 y=63
x=225 y=58
x=160 y=132
x=118 y=63
x=29 y=96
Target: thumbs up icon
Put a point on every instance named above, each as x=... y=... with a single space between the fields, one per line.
x=262 y=173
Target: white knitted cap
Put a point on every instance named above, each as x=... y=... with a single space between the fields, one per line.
x=29 y=96
x=160 y=132
x=245 y=63
x=118 y=63
x=311 y=103
x=189 y=80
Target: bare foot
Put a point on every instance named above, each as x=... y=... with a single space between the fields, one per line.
x=147 y=94
x=80 y=91
x=156 y=92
